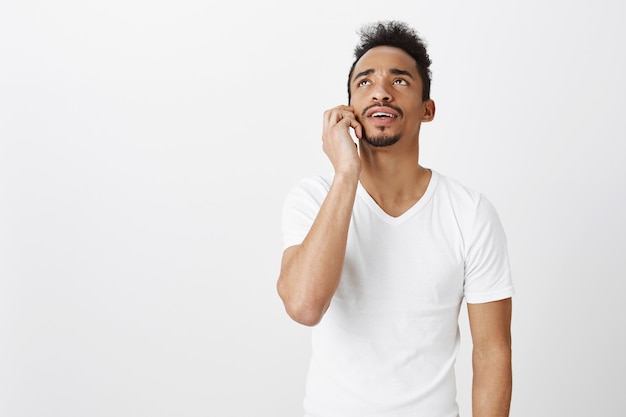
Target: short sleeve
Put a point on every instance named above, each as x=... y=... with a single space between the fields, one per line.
x=301 y=207
x=487 y=268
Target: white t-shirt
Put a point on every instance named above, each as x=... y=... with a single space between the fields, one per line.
x=388 y=342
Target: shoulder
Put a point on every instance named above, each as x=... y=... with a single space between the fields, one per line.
x=459 y=194
x=300 y=207
x=309 y=191
x=319 y=182
x=455 y=188
x=468 y=204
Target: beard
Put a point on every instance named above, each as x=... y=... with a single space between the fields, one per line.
x=380 y=140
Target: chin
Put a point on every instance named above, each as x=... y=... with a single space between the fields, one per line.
x=381 y=141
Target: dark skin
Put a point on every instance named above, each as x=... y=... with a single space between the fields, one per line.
x=386 y=104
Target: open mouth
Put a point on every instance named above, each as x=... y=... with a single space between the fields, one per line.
x=383 y=114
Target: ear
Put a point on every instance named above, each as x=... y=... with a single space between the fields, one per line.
x=428 y=110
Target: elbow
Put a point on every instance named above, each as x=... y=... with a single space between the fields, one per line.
x=302 y=310
x=305 y=316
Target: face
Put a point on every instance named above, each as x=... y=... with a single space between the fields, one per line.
x=386 y=93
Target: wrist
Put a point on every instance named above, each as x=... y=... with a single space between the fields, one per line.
x=348 y=176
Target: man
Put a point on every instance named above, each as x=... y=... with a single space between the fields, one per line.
x=379 y=255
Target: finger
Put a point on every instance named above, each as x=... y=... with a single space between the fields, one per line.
x=358 y=131
x=349 y=120
x=336 y=114
x=358 y=128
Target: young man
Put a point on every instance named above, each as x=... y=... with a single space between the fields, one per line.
x=379 y=255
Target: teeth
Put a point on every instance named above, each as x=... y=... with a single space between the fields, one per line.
x=381 y=114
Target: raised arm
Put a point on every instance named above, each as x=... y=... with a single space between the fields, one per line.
x=490 y=325
x=310 y=272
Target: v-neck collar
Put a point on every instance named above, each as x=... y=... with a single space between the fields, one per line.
x=424 y=199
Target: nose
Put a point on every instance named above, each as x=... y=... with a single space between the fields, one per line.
x=381 y=93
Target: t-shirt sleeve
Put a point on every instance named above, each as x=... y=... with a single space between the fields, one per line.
x=300 y=209
x=487 y=268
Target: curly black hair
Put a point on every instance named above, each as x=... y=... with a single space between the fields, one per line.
x=399 y=35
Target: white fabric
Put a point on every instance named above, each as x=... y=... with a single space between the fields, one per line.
x=388 y=342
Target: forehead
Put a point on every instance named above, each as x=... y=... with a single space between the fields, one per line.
x=382 y=58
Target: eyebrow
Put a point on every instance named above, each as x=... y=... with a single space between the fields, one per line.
x=394 y=71
x=401 y=72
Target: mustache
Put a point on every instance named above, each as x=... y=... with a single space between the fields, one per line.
x=396 y=109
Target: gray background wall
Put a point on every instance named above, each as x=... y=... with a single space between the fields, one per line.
x=146 y=147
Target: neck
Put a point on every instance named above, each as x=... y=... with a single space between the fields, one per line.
x=393 y=177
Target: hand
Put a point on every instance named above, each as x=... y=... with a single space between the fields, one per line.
x=337 y=142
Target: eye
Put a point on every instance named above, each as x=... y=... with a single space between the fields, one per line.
x=363 y=83
x=400 y=81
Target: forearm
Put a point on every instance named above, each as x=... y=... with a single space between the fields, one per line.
x=310 y=272
x=492 y=383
